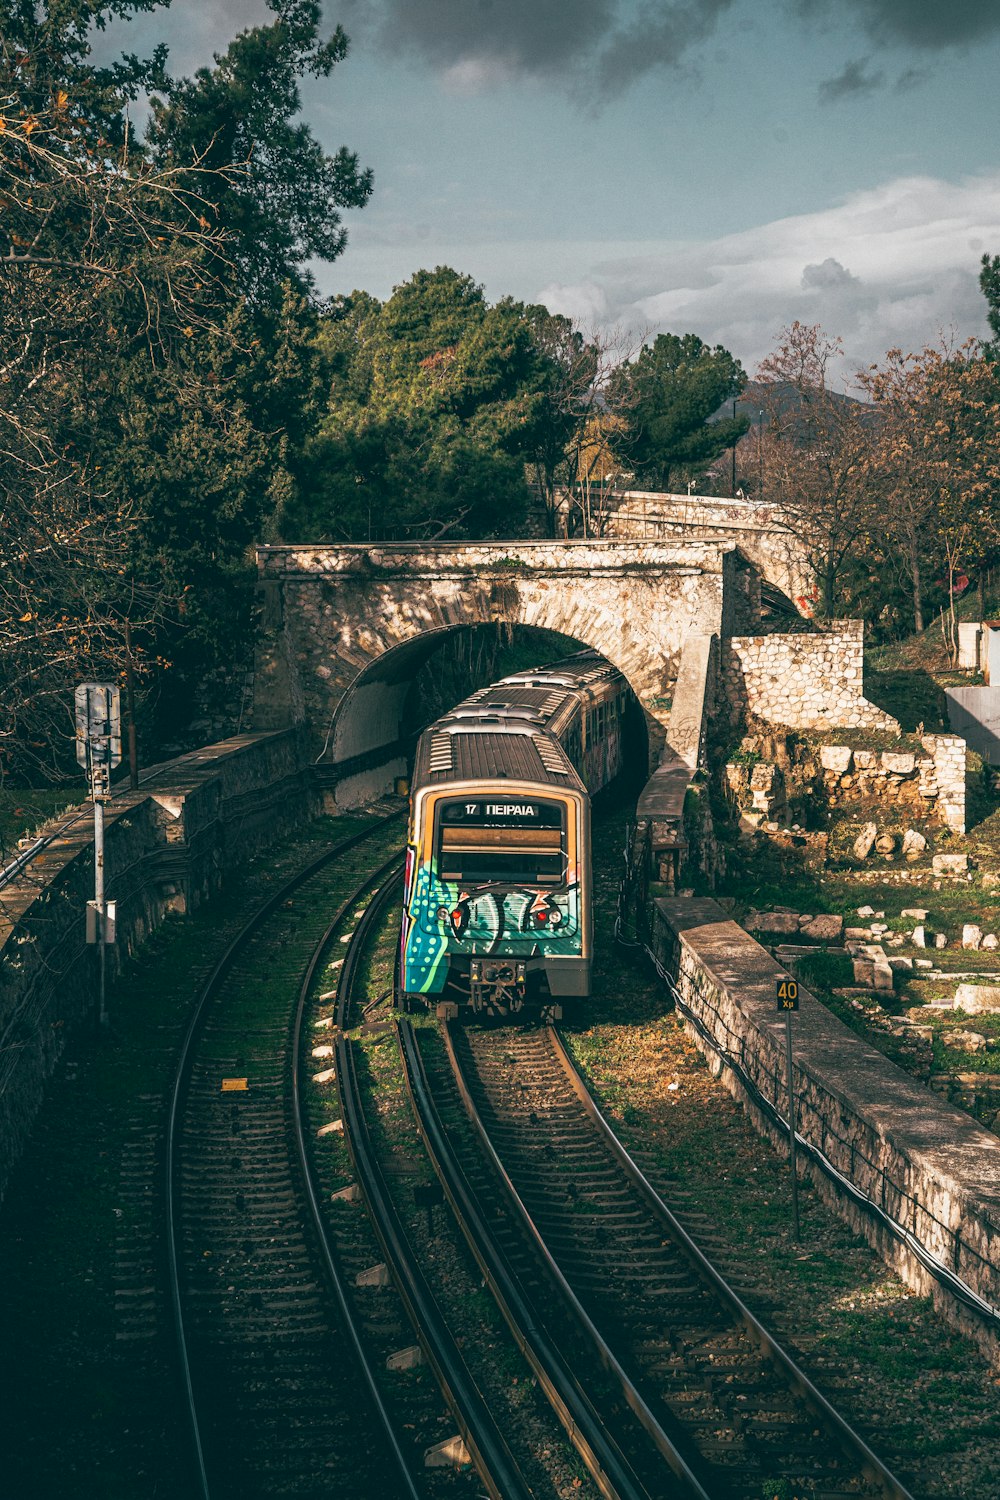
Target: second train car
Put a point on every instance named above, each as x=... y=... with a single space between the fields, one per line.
x=498 y=901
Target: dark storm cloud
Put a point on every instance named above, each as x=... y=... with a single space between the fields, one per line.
x=852 y=82
x=604 y=43
x=916 y=23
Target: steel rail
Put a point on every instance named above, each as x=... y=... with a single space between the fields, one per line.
x=688 y=1481
x=585 y=1426
x=492 y=1457
x=494 y=1462
x=320 y=1226
x=856 y=1448
x=177 y=1098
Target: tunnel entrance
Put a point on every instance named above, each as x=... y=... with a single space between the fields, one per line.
x=375 y=729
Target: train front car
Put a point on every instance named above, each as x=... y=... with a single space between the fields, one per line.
x=497 y=909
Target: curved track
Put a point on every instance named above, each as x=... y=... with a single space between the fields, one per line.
x=281 y=1397
x=609 y=1271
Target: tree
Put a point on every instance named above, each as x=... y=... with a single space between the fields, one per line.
x=156 y=387
x=813 y=451
x=666 y=397
x=437 y=403
x=263 y=175
x=989 y=281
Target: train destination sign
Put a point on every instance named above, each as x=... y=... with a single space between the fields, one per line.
x=497 y=813
x=788 y=994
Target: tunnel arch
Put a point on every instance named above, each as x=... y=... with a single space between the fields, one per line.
x=345 y=627
x=378 y=720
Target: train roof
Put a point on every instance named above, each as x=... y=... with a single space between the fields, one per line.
x=504 y=730
x=492 y=753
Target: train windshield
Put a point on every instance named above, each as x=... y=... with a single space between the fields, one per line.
x=501 y=840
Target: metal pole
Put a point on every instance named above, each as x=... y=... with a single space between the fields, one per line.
x=791 y=1125
x=102 y=1012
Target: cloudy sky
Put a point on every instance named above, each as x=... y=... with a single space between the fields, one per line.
x=710 y=166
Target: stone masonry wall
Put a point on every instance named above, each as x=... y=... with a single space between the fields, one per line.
x=932 y=1168
x=168 y=846
x=758 y=528
x=347 y=628
x=802 y=681
x=779 y=776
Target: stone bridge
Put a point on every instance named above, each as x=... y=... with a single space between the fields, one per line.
x=345 y=629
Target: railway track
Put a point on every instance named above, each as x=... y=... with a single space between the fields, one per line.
x=695 y=1397
x=283 y=1399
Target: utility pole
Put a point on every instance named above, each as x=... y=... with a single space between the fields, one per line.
x=133 y=757
x=99 y=750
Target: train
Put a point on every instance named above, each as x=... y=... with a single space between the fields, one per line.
x=498 y=893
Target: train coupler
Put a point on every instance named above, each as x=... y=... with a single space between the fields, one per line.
x=497 y=986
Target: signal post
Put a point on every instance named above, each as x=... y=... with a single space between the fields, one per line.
x=788 y=1002
x=99 y=751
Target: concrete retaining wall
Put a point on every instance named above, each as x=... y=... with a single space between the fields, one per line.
x=168 y=846
x=931 y=1167
x=974 y=713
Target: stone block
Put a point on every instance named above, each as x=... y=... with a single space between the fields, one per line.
x=865 y=841
x=835 y=758
x=783 y=922
x=825 y=929
x=914 y=844
x=857 y=934
x=978 y=999
x=950 y=864
x=883 y=976
x=900 y=962
x=899 y=762
x=972 y=936
x=864 y=972
x=865 y=760
x=966 y=1041
x=885 y=843
x=940 y=941
x=918 y=936
x=990 y=941
x=918 y=913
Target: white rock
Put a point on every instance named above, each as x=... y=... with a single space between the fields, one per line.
x=913 y=843
x=918 y=913
x=990 y=941
x=950 y=864
x=918 y=937
x=924 y=963
x=863 y=846
x=835 y=758
x=972 y=935
x=866 y=911
x=977 y=998
x=901 y=763
x=940 y=941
